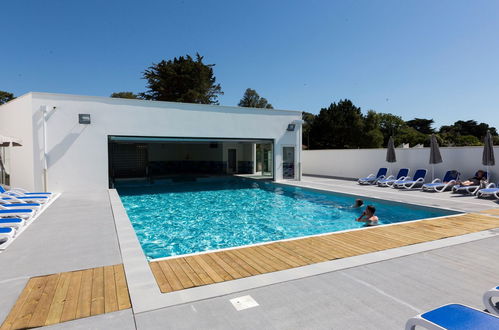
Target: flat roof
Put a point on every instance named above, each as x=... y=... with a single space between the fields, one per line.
x=152 y=102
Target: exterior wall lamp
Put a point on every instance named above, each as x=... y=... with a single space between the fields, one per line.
x=84 y=118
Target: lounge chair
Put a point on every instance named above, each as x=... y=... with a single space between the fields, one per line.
x=373 y=179
x=471 y=190
x=492 y=189
x=12 y=222
x=22 y=192
x=487 y=300
x=22 y=213
x=11 y=198
x=389 y=181
x=408 y=183
x=7 y=232
x=454 y=316
x=440 y=185
x=20 y=205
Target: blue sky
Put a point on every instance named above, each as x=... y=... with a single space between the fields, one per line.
x=418 y=58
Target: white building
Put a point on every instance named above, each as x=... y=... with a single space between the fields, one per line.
x=72 y=142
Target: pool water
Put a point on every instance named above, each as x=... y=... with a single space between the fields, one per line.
x=181 y=218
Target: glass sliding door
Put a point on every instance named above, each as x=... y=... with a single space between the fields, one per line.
x=288 y=162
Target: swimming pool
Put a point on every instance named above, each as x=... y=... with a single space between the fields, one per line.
x=188 y=217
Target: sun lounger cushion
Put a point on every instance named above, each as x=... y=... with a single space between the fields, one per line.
x=14 y=205
x=16 y=211
x=456 y=316
x=6 y=230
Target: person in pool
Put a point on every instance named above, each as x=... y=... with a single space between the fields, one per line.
x=358 y=203
x=368 y=216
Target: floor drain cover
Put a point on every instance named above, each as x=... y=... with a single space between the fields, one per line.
x=243 y=302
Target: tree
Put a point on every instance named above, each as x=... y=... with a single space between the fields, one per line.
x=251 y=99
x=308 y=119
x=390 y=125
x=125 y=95
x=421 y=125
x=6 y=97
x=338 y=126
x=182 y=79
x=373 y=138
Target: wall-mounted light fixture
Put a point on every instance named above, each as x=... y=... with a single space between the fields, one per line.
x=291 y=127
x=84 y=118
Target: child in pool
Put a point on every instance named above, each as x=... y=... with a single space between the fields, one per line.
x=368 y=216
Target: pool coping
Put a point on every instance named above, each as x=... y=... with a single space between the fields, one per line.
x=146 y=296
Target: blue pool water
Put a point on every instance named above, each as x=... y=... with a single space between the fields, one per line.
x=180 y=218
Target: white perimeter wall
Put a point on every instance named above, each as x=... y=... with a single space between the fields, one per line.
x=78 y=154
x=355 y=163
x=16 y=121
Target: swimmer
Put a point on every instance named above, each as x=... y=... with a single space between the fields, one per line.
x=368 y=216
x=358 y=203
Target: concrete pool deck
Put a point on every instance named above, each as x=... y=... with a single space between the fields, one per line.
x=78 y=232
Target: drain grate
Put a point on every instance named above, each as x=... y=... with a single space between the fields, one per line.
x=243 y=302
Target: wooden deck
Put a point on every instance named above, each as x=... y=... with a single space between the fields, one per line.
x=68 y=296
x=202 y=269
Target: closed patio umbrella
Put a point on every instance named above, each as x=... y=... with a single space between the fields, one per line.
x=390 y=151
x=435 y=156
x=488 y=158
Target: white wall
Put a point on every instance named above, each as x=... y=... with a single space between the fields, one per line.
x=78 y=154
x=354 y=163
x=16 y=121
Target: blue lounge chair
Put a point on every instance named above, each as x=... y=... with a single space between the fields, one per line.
x=12 y=222
x=492 y=189
x=454 y=316
x=416 y=182
x=22 y=213
x=13 y=205
x=440 y=185
x=470 y=190
x=12 y=199
x=373 y=179
x=7 y=232
x=22 y=192
x=389 y=181
x=487 y=300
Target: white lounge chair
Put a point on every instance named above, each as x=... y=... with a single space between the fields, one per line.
x=373 y=179
x=22 y=192
x=34 y=198
x=21 y=213
x=491 y=190
x=8 y=205
x=487 y=300
x=416 y=182
x=441 y=185
x=454 y=316
x=7 y=232
x=12 y=222
x=389 y=181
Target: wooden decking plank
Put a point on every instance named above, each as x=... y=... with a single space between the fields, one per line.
x=208 y=270
x=110 y=297
x=236 y=266
x=227 y=267
x=270 y=259
x=289 y=255
x=23 y=299
x=85 y=295
x=190 y=272
x=237 y=255
x=240 y=262
x=42 y=309
x=71 y=303
x=26 y=312
x=205 y=278
x=290 y=262
x=322 y=248
x=216 y=267
x=170 y=275
x=164 y=286
x=181 y=275
x=121 y=287
x=257 y=259
x=304 y=250
x=55 y=311
x=97 y=306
